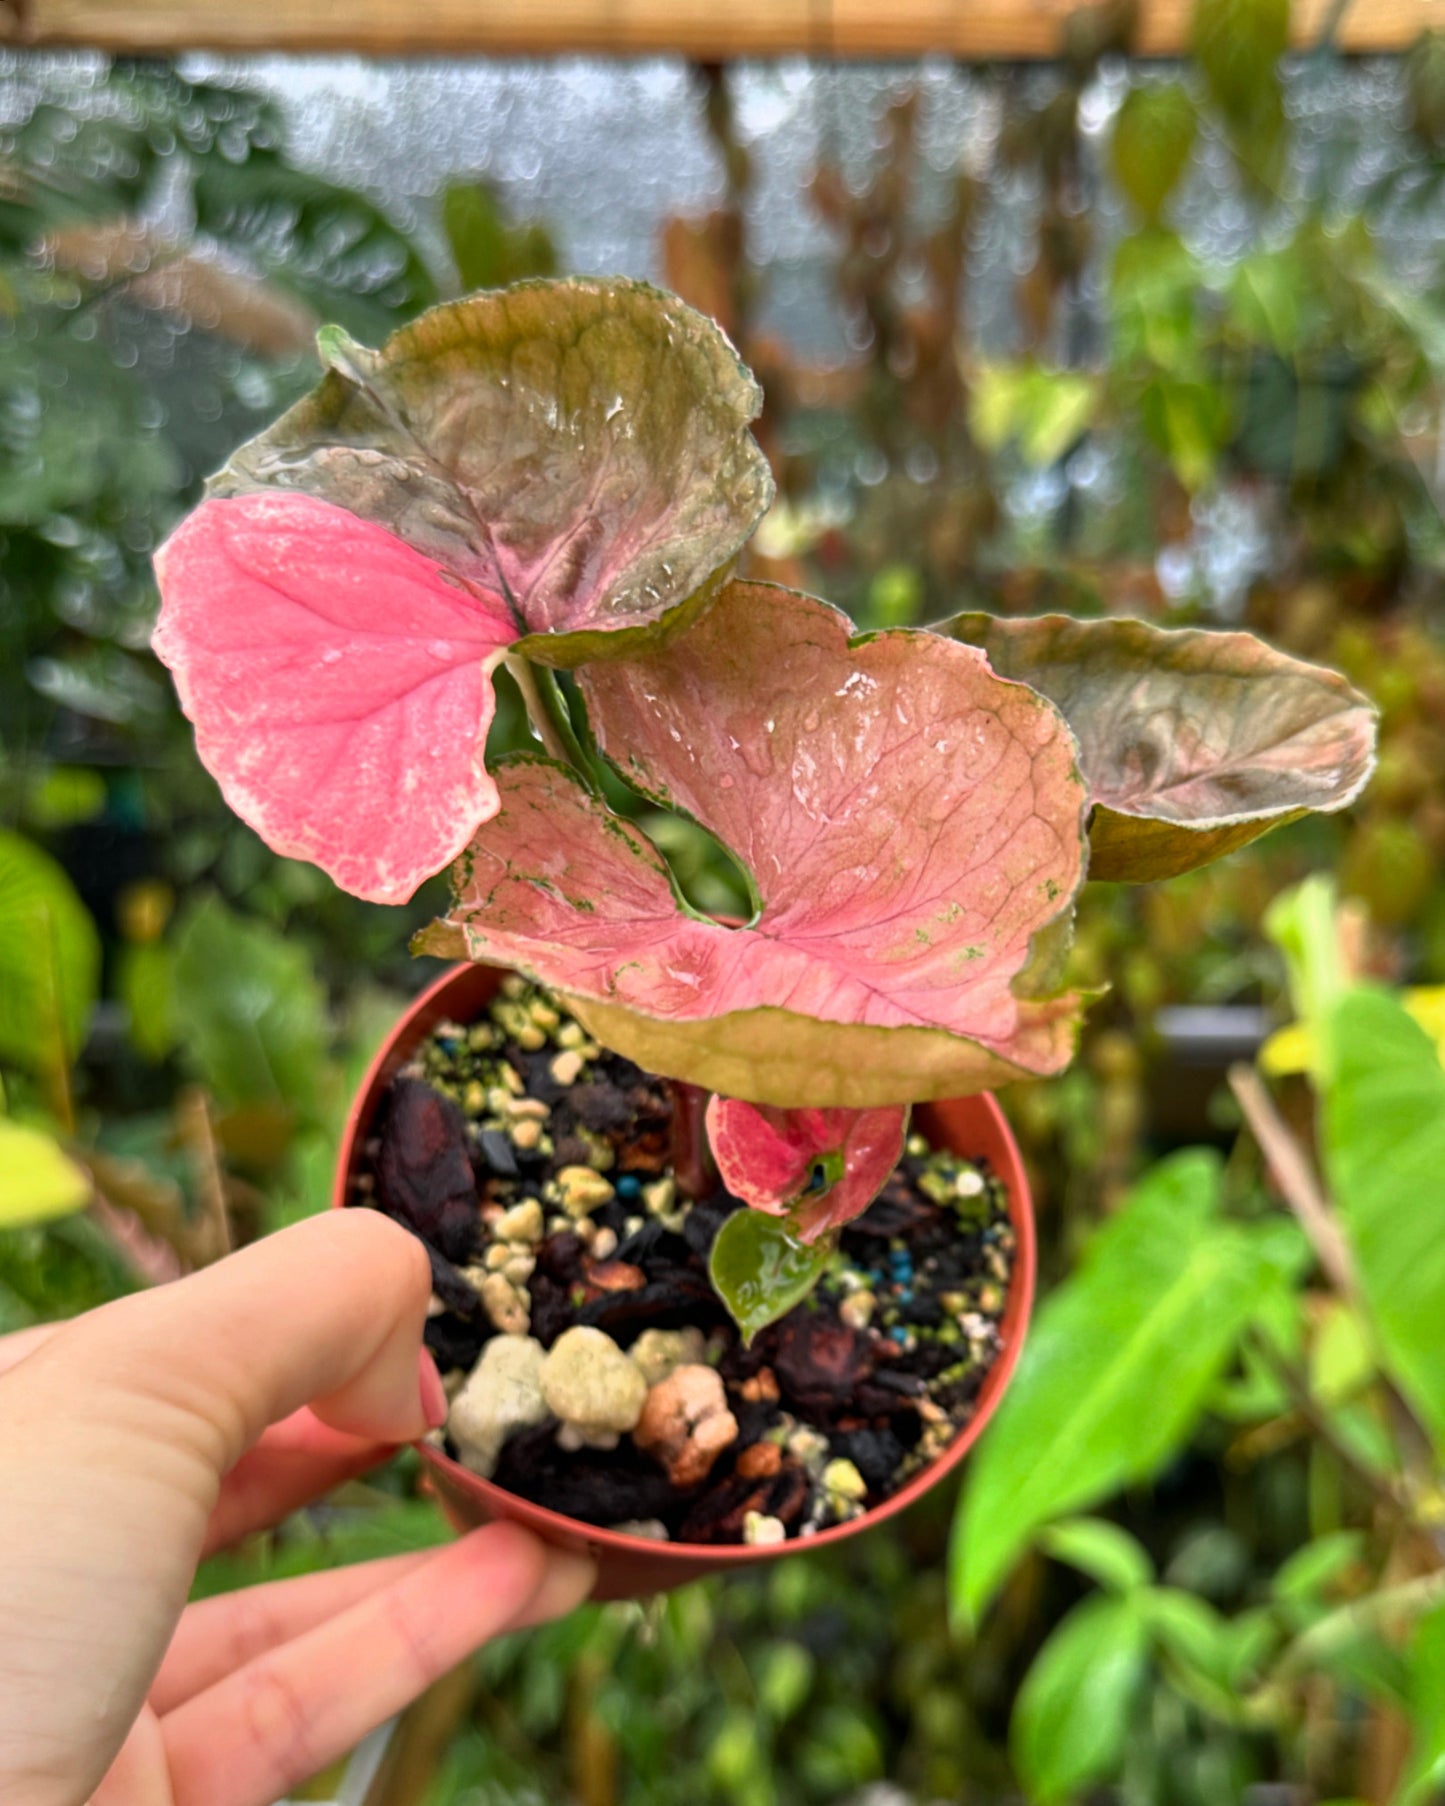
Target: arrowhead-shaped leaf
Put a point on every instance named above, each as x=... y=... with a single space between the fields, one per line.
x=910 y=823
x=339 y=683
x=820 y=1168
x=1192 y=743
x=579 y=447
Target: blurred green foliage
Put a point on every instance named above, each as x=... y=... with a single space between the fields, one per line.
x=184 y=1017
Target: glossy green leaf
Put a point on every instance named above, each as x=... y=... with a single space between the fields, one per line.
x=49 y=962
x=38 y=1180
x=1115 y=1371
x=579 y=448
x=489 y=249
x=1072 y=1717
x=1199 y=1647
x=1192 y=743
x=1153 y=136
x=760 y=1272
x=1425 y=1775
x=1237 y=45
x=250 y=1014
x=1383 y=1134
x=330 y=246
x=1101 y=1550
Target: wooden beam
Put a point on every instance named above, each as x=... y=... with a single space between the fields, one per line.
x=973 y=30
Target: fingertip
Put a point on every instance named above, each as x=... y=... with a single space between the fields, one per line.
x=559 y=1580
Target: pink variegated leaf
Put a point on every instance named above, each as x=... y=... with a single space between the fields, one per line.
x=579 y=446
x=820 y=1168
x=911 y=824
x=339 y=683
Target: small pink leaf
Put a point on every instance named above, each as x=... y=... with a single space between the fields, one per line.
x=820 y=1167
x=339 y=683
x=911 y=822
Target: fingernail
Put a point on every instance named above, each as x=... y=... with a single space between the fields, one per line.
x=433 y=1393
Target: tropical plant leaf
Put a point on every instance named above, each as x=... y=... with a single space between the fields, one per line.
x=1101 y=1550
x=1153 y=136
x=818 y=1168
x=339 y=683
x=1072 y=1714
x=910 y=822
x=1425 y=1774
x=38 y=1180
x=330 y=246
x=49 y=962
x=249 y=1011
x=578 y=447
x=760 y=1269
x=1383 y=1135
x=1116 y=1370
x=1192 y=743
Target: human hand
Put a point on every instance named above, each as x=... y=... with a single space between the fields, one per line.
x=140 y=1437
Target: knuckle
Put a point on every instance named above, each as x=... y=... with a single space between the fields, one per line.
x=273 y=1718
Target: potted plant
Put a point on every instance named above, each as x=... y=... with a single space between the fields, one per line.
x=560 y=475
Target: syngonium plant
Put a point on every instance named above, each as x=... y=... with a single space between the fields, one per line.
x=561 y=474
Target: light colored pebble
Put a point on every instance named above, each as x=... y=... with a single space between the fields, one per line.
x=526 y=1134
x=571 y=1035
x=761 y=1531
x=841 y=1480
x=497 y=1256
x=505 y=1305
x=651 y=1530
x=659 y=1352
x=580 y=1191
x=808 y=1446
x=685 y=1424
x=857 y=1309
x=527 y=1109
x=519 y=1268
x=522 y=1223
x=968 y=1184
x=659 y=1196
x=566 y=1069
x=503 y=1393
x=591 y=1384
x=604 y=1243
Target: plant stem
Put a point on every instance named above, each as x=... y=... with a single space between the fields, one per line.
x=692 y=1162
x=1336 y=1630
x=548 y=713
x=1317 y=1419
x=1297 y=1183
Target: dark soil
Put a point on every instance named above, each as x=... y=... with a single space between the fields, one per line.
x=836 y=1405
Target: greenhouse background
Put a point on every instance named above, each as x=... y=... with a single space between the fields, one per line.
x=1097 y=334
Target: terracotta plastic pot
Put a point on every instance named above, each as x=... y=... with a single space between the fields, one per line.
x=630 y=1566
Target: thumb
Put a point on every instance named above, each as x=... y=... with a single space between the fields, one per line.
x=328 y=1313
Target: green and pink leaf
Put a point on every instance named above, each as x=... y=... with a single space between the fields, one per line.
x=910 y=822
x=818 y=1168
x=1192 y=743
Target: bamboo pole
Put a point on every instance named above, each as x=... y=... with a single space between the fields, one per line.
x=973 y=30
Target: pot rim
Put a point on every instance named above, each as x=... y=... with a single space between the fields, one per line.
x=410 y=1028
